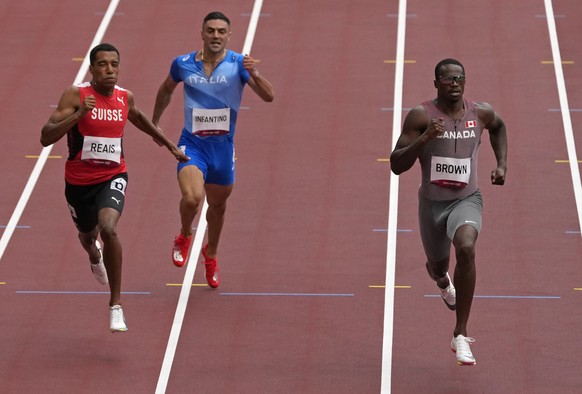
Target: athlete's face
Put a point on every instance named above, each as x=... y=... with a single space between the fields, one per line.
x=215 y=34
x=450 y=83
x=105 y=70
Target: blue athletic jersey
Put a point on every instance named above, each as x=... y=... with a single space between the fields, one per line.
x=222 y=90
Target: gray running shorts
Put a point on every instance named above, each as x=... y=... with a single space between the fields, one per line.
x=439 y=220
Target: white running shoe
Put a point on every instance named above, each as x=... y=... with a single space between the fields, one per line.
x=99 y=271
x=116 y=319
x=449 y=295
x=461 y=346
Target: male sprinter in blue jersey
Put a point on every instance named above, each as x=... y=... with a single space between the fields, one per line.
x=213 y=78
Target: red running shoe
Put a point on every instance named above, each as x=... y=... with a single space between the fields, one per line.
x=212 y=270
x=180 y=251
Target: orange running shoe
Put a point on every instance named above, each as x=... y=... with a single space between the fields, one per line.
x=211 y=264
x=180 y=251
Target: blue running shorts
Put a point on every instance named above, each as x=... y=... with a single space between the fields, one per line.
x=214 y=156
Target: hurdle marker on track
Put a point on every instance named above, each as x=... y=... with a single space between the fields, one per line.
x=44 y=154
x=197 y=246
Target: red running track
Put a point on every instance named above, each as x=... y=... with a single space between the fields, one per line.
x=308 y=210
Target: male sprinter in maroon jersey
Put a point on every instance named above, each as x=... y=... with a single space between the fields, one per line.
x=93 y=116
x=444 y=134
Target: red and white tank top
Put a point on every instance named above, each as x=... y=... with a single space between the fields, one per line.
x=95 y=142
x=449 y=163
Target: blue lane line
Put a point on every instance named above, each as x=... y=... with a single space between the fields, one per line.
x=79 y=292
x=288 y=294
x=505 y=296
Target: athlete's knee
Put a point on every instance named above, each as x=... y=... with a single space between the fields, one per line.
x=87 y=239
x=217 y=208
x=217 y=197
x=465 y=239
x=108 y=232
x=192 y=201
x=437 y=269
x=465 y=251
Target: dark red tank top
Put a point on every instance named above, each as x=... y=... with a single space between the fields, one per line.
x=95 y=142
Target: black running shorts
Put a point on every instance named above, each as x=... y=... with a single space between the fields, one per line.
x=85 y=201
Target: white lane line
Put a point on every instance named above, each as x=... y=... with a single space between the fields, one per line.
x=182 y=303
x=35 y=174
x=252 y=27
x=565 y=109
x=196 y=246
x=385 y=387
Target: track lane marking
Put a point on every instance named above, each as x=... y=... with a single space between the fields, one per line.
x=390 y=61
x=388 y=326
x=38 y=156
x=181 y=284
x=43 y=292
x=514 y=297
x=559 y=109
x=564 y=106
x=562 y=62
x=555 y=16
x=289 y=294
x=384 y=286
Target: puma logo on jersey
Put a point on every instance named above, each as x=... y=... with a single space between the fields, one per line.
x=120 y=99
x=116 y=200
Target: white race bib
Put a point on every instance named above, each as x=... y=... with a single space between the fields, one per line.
x=210 y=121
x=101 y=150
x=450 y=172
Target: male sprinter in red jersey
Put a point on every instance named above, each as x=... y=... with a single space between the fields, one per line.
x=444 y=134
x=93 y=116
